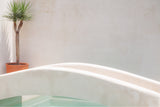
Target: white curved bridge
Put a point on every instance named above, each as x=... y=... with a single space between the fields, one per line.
x=95 y=83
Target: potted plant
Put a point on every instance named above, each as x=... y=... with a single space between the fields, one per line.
x=18 y=13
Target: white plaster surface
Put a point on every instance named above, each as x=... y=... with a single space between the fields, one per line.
x=6 y=37
x=123 y=34
x=114 y=73
x=77 y=83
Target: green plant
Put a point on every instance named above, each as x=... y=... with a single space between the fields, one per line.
x=19 y=11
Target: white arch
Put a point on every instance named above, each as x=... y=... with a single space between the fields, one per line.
x=115 y=73
x=77 y=83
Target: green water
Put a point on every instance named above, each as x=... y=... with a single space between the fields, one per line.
x=47 y=101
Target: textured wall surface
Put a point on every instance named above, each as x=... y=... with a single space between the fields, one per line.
x=5 y=37
x=123 y=34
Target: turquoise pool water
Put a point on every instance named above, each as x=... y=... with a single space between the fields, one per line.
x=47 y=101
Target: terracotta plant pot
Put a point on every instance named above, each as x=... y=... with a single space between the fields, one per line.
x=11 y=67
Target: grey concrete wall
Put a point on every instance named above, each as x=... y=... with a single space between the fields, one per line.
x=124 y=34
x=5 y=37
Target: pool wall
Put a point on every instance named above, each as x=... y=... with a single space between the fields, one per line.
x=79 y=83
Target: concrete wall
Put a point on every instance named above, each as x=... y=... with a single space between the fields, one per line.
x=123 y=34
x=6 y=37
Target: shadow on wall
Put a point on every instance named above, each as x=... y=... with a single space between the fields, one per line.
x=6 y=47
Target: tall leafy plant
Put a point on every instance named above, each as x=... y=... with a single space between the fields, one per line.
x=19 y=11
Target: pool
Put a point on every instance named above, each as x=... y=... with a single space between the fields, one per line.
x=93 y=83
x=46 y=101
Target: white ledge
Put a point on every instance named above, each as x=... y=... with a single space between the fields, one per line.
x=78 y=80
